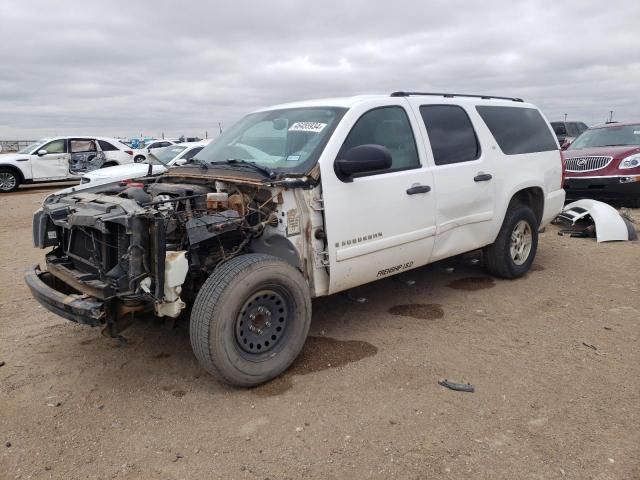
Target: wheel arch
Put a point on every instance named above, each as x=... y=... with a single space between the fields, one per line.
x=278 y=246
x=15 y=170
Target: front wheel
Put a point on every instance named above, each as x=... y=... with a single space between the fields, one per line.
x=512 y=254
x=250 y=319
x=139 y=158
x=9 y=180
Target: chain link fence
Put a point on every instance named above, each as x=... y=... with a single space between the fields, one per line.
x=9 y=146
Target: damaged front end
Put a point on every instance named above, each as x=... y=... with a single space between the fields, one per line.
x=144 y=246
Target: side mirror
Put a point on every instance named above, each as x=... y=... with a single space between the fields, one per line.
x=361 y=159
x=565 y=144
x=181 y=161
x=149 y=149
x=42 y=152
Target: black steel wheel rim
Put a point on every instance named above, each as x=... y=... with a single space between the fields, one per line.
x=262 y=322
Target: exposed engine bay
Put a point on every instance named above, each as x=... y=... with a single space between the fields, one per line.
x=148 y=244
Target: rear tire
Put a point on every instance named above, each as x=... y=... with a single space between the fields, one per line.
x=9 y=180
x=139 y=158
x=514 y=250
x=250 y=319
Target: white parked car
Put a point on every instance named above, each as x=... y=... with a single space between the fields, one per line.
x=60 y=158
x=300 y=201
x=156 y=164
x=153 y=147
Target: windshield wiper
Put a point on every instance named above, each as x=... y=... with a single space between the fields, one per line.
x=265 y=171
x=203 y=165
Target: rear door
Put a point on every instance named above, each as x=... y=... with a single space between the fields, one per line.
x=54 y=164
x=463 y=177
x=377 y=225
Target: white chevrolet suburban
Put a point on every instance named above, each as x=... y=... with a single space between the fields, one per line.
x=60 y=159
x=299 y=201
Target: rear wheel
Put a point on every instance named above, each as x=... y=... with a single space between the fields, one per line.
x=250 y=319
x=138 y=158
x=9 y=180
x=512 y=254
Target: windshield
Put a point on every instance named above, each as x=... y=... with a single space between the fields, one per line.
x=276 y=139
x=31 y=148
x=608 y=136
x=166 y=155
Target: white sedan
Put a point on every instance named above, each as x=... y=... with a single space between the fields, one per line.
x=154 y=147
x=175 y=155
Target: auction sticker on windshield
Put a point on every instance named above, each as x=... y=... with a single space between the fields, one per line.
x=315 y=127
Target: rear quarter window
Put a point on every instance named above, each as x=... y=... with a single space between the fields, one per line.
x=518 y=130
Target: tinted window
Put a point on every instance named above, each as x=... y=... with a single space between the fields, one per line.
x=451 y=134
x=191 y=153
x=389 y=127
x=57 y=146
x=559 y=128
x=573 y=129
x=518 y=130
x=106 y=146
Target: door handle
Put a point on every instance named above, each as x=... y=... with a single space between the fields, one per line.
x=418 y=189
x=482 y=177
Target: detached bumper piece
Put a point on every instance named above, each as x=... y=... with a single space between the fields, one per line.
x=58 y=298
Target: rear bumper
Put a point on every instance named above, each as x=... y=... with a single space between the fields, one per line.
x=553 y=203
x=603 y=187
x=59 y=299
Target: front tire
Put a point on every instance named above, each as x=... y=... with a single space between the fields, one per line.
x=250 y=319
x=512 y=254
x=139 y=158
x=9 y=180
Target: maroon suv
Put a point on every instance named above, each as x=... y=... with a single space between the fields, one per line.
x=604 y=163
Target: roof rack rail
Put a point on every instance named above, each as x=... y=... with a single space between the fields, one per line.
x=451 y=95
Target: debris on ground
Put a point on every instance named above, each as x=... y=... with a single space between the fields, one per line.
x=588 y=345
x=590 y=218
x=458 y=387
x=7 y=444
x=2 y=364
x=56 y=404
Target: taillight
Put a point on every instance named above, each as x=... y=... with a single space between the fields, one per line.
x=130 y=152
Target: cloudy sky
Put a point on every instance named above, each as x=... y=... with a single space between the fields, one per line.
x=146 y=67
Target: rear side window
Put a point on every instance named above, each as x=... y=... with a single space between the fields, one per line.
x=518 y=130
x=106 y=146
x=192 y=153
x=452 y=137
x=389 y=127
x=559 y=129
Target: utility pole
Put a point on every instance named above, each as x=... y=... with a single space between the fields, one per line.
x=610 y=115
x=565 y=117
x=206 y=133
x=220 y=127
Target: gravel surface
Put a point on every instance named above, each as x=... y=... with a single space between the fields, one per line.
x=553 y=358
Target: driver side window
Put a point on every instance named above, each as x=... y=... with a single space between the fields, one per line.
x=389 y=127
x=57 y=146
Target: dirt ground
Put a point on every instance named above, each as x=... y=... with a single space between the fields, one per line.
x=554 y=358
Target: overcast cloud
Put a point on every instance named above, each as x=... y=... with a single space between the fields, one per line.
x=130 y=67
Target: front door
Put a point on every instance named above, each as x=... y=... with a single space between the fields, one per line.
x=381 y=223
x=53 y=165
x=463 y=177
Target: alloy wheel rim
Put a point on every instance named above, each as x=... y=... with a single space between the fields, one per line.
x=7 y=181
x=521 y=242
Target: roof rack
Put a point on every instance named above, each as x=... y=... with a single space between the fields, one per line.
x=451 y=95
